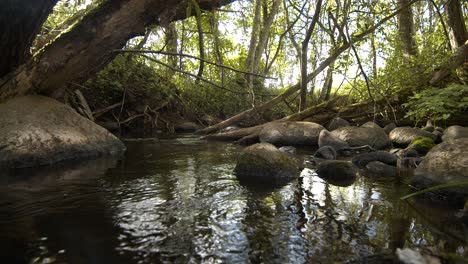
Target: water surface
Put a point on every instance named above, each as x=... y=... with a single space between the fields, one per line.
x=177 y=201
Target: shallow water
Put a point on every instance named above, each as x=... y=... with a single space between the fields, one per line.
x=177 y=201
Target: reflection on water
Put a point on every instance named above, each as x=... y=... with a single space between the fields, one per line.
x=176 y=200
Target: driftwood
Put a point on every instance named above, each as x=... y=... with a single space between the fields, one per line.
x=84 y=106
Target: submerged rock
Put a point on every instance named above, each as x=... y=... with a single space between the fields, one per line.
x=264 y=162
x=454 y=132
x=381 y=169
x=326 y=152
x=337 y=172
x=360 y=136
x=37 y=130
x=404 y=135
x=445 y=163
x=362 y=160
x=291 y=133
x=336 y=123
x=326 y=138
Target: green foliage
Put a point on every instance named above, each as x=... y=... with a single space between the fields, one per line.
x=140 y=82
x=438 y=104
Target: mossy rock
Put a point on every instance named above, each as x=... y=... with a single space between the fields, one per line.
x=422 y=145
x=264 y=162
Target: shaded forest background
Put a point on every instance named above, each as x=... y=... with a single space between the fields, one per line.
x=402 y=60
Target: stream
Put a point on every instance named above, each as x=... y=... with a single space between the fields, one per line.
x=176 y=200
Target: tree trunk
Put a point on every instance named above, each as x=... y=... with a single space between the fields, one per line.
x=304 y=57
x=171 y=43
x=20 y=22
x=457 y=29
x=87 y=47
x=406 y=29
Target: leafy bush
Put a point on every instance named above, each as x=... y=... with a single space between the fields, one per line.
x=438 y=104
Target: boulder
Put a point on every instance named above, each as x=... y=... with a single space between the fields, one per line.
x=337 y=122
x=37 y=130
x=422 y=145
x=454 y=132
x=337 y=172
x=362 y=160
x=326 y=152
x=445 y=163
x=264 y=162
x=378 y=168
x=388 y=128
x=291 y=133
x=370 y=124
x=186 y=127
x=326 y=138
x=404 y=135
x=360 y=136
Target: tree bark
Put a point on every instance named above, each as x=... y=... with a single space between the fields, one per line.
x=406 y=29
x=87 y=47
x=20 y=22
x=457 y=29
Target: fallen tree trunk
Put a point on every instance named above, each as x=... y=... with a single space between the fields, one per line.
x=87 y=47
x=457 y=59
x=294 y=88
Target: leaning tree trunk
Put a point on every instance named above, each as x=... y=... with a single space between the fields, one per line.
x=20 y=22
x=87 y=47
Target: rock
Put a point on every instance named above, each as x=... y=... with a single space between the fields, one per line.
x=438 y=135
x=326 y=152
x=288 y=150
x=337 y=172
x=229 y=129
x=264 y=162
x=404 y=135
x=362 y=160
x=454 y=132
x=327 y=139
x=422 y=145
x=381 y=169
x=408 y=163
x=370 y=124
x=37 y=130
x=408 y=153
x=337 y=122
x=428 y=128
x=186 y=127
x=291 y=133
x=360 y=136
x=388 y=128
x=445 y=163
